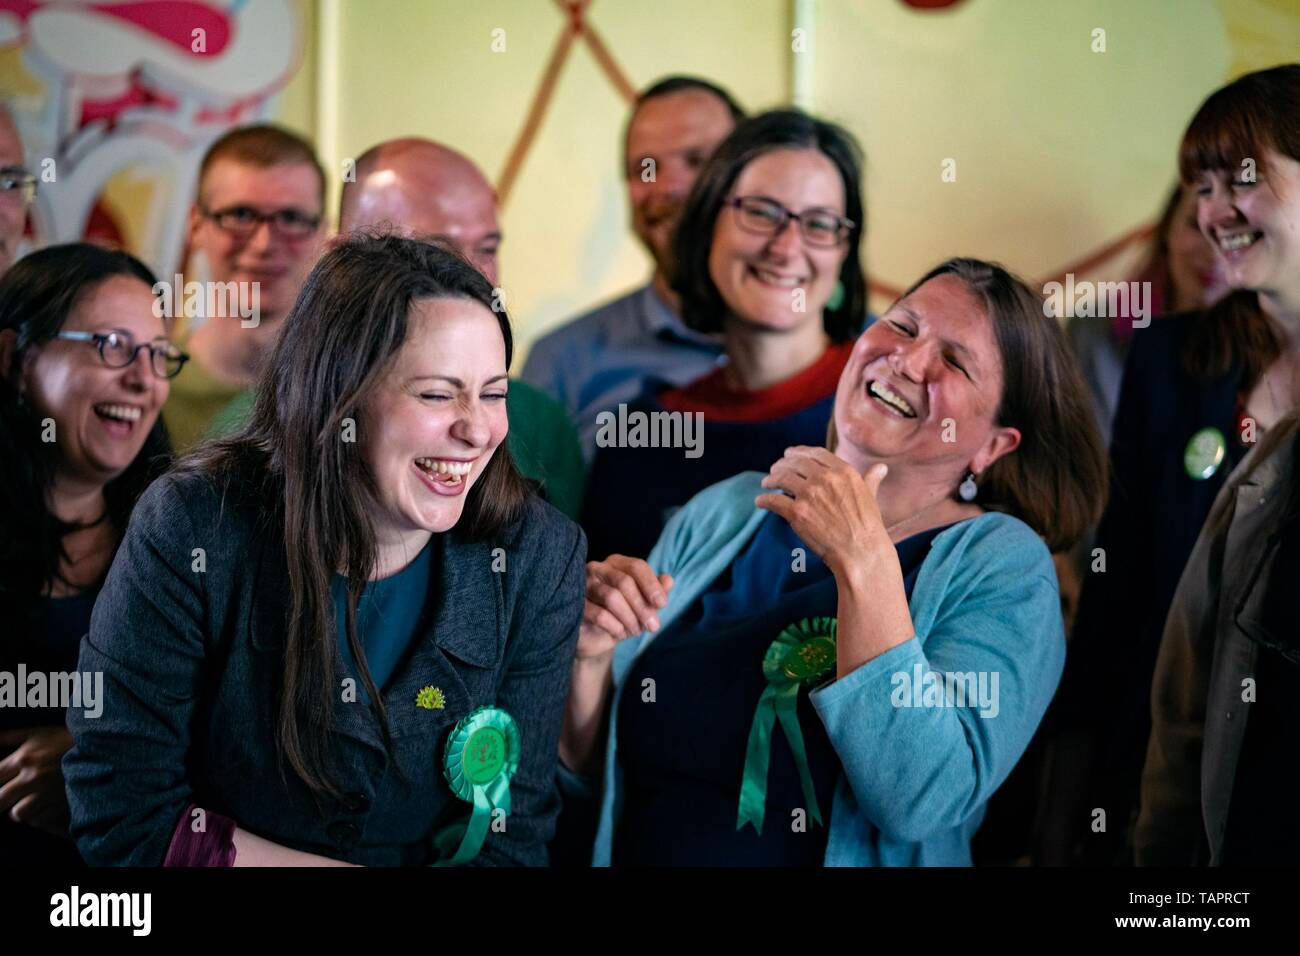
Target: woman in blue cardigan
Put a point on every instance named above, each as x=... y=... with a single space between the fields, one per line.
x=839 y=662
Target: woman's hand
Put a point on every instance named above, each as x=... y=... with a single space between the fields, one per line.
x=31 y=778
x=834 y=511
x=832 y=508
x=623 y=595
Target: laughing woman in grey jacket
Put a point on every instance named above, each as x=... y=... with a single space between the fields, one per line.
x=326 y=635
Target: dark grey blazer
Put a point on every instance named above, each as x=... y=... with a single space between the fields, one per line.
x=192 y=661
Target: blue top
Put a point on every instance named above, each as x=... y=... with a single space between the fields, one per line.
x=684 y=753
x=914 y=780
x=389 y=615
x=664 y=479
x=607 y=356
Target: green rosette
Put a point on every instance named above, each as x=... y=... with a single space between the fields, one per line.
x=481 y=756
x=802 y=655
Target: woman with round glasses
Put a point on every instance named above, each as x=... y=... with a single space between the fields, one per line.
x=767 y=256
x=84 y=369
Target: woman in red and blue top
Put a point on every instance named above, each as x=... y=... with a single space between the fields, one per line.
x=767 y=255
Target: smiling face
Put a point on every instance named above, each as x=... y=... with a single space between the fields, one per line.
x=102 y=415
x=1255 y=227
x=433 y=423
x=930 y=359
x=759 y=276
x=1194 y=268
x=678 y=131
x=278 y=264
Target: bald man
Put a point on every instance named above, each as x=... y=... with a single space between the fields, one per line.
x=17 y=186
x=417 y=187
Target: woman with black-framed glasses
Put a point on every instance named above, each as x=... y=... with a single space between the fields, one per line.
x=80 y=438
x=767 y=254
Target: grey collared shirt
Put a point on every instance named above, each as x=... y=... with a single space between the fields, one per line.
x=607 y=356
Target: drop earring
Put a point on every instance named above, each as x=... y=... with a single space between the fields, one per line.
x=967 y=490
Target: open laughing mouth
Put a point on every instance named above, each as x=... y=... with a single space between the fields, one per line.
x=1238 y=241
x=118 y=419
x=444 y=476
x=768 y=277
x=886 y=396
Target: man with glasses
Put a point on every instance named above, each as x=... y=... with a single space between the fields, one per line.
x=257 y=223
x=605 y=357
x=17 y=189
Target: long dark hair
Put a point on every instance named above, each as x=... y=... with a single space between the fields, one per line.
x=702 y=304
x=1256 y=112
x=37 y=295
x=338 y=342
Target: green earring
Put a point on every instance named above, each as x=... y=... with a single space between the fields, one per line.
x=837 y=297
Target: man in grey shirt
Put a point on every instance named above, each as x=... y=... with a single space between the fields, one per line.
x=605 y=357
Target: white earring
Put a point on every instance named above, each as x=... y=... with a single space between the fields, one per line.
x=968 y=489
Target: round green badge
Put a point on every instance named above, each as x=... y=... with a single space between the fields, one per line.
x=801 y=656
x=484 y=755
x=1204 y=454
x=810 y=659
x=481 y=755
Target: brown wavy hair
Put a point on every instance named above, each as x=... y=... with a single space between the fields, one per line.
x=338 y=343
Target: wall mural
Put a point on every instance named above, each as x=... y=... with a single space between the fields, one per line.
x=144 y=85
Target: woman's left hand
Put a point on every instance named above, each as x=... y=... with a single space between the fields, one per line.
x=832 y=508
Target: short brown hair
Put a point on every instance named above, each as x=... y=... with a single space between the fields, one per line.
x=262 y=147
x=1256 y=112
x=1055 y=481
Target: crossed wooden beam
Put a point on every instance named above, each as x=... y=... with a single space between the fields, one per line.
x=577 y=26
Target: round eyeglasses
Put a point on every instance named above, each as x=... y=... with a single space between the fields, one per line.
x=242 y=221
x=118 y=350
x=16 y=181
x=767 y=217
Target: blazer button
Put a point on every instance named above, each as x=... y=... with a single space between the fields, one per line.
x=343 y=832
x=356 y=802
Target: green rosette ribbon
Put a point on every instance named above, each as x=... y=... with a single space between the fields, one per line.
x=481 y=756
x=801 y=656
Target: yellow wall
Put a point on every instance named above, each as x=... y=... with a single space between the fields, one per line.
x=426 y=67
x=1058 y=149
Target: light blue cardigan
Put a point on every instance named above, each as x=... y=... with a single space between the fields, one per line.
x=915 y=779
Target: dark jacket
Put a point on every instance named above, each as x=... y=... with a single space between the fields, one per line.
x=1152 y=519
x=192 y=661
x=1237 y=595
